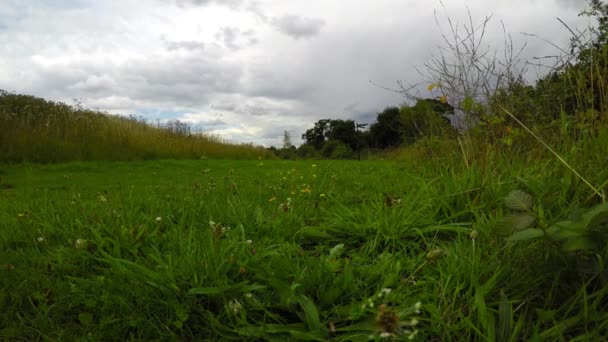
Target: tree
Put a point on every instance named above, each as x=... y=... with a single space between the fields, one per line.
x=343 y=131
x=316 y=136
x=386 y=131
x=425 y=118
x=287 y=140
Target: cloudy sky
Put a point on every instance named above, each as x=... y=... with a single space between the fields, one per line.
x=245 y=69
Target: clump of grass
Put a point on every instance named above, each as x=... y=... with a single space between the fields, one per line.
x=36 y=130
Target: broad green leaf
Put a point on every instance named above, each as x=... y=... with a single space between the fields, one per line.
x=596 y=217
x=528 y=234
x=577 y=244
x=513 y=223
x=518 y=200
x=310 y=312
x=566 y=230
x=337 y=251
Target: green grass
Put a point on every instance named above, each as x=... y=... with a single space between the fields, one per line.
x=36 y=130
x=283 y=250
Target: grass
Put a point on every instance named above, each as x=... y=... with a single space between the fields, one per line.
x=297 y=250
x=35 y=130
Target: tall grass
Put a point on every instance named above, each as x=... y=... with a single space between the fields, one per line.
x=36 y=130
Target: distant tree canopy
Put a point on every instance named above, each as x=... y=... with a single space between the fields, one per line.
x=324 y=130
x=386 y=131
x=395 y=126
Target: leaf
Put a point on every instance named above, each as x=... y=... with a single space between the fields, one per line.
x=525 y=235
x=577 y=244
x=518 y=200
x=513 y=223
x=310 y=312
x=337 y=251
x=85 y=318
x=566 y=230
x=596 y=217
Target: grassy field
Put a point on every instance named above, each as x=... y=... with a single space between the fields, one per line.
x=294 y=250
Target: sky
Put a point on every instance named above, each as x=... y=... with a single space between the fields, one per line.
x=248 y=70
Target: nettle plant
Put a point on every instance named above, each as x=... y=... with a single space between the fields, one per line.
x=586 y=231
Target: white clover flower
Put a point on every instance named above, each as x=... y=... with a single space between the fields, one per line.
x=40 y=239
x=80 y=243
x=385 y=291
x=235 y=306
x=249 y=242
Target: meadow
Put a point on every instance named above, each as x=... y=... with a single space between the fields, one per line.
x=113 y=228
x=300 y=250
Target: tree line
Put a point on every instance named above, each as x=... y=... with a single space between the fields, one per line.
x=393 y=127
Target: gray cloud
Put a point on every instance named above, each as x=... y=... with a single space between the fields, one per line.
x=190 y=45
x=297 y=26
x=573 y=4
x=234 y=38
x=229 y=3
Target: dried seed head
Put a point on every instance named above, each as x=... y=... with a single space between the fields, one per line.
x=387 y=319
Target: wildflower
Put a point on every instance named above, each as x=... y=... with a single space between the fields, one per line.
x=235 y=306
x=40 y=239
x=473 y=234
x=21 y=215
x=102 y=198
x=80 y=243
x=249 y=242
x=417 y=307
x=385 y=334
x=384 y=292
x=387 y=319
x=158 y=219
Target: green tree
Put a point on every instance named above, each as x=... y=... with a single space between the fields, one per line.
x=316 y=136
x=386 y=130
x=343 y=131
x=425 y=118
